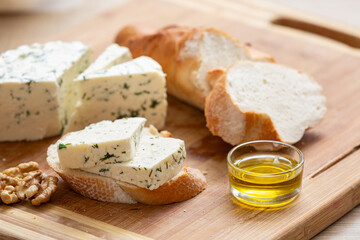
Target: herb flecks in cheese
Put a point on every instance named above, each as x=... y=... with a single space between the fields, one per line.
x=157 y=160
x=62 y=145
x=101 y=143
x=34 y=84
x=132 y=89
x=107 y=156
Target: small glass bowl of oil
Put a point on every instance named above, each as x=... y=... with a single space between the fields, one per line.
x=266 y=174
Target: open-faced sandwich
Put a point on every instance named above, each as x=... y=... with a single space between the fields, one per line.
x=120 y=161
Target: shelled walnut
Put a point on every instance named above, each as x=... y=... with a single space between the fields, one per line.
x=153 y=130
x=26 y=181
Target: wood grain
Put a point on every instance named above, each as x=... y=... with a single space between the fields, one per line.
x=345 y=228
x=332 y=180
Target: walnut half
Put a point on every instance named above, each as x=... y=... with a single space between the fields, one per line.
x=26 y=181
x=8 y=195
x=47 y=188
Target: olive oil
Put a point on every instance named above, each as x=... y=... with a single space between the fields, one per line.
x=265 y=179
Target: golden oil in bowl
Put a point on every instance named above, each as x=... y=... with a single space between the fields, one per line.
x=265 y=173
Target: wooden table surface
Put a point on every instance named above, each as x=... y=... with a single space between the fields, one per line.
x=49 y=18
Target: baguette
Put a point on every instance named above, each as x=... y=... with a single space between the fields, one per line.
x=200 y=63
x=187 y=54
x=186 y=184
x=258 y=100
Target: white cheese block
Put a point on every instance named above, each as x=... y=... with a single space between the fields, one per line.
x=112 y=55
x=135 y=88
x=35 y=82
x=157 y=160
x=101 y=143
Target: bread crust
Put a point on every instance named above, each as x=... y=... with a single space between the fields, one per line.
x=259 y=56
x=164 y=46
x=226 y=120
x=168 y=47
x=87 y=184
x=187 y=184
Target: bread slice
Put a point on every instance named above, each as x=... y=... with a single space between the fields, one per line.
x=187 y=54
x=259 y=100
x=186 y=184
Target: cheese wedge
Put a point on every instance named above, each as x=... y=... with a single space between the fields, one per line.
x=157 y=160
x=135 y=88
x=35 y=88
x=101 y=143
x=112 y=55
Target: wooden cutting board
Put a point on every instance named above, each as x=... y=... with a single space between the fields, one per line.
x=331 y=184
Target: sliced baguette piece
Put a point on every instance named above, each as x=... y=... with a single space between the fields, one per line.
x=186 y=184
x=187 y=54
x=258 y=100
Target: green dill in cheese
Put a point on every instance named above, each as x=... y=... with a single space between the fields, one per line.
x=108 y=156
x=103 y=170
x=106 y=142
x=132 y=89
x=154 y=103
x=62 y=145
x=126 y=86
x=157 y=160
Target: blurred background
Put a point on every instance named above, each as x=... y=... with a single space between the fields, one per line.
x=39 y=19
x=343 y=11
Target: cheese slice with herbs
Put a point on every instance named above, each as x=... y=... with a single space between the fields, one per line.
x=105 y=142
x=112 y=55
x=157 y=160
x=35 y=88
x=136 y=88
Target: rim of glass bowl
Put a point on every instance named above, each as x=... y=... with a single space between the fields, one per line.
x=299 y=164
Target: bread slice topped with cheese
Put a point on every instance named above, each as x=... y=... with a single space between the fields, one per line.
x=258 y=100
x=157 y=160
x=36 y=91
x=136 y=88
x=155 y=175
x=102 y=143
